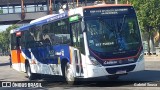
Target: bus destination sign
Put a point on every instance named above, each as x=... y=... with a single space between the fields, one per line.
x=105 y=11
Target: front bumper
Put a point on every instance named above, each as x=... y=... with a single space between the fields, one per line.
x=96 y=71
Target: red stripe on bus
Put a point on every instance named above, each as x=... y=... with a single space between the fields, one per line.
x=118 y=58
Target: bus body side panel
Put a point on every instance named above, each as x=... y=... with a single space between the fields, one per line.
x=26 y=55
x=47 y=60
x=22 y=59
x=15 y=57
x=18 y=61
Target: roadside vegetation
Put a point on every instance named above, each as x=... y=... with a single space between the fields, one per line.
x=148 y=13
x=5 y=40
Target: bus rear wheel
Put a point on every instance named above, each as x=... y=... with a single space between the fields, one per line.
x=30 y=75
x=69 y=75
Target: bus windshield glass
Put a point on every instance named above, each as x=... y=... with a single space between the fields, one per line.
x=116 y=33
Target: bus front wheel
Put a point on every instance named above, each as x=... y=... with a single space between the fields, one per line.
x=69 y=75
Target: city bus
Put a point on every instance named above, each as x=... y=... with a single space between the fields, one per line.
x=84 y=42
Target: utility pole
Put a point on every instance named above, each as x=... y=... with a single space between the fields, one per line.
x=77 y=3
x=22 y=10
x=50 y=7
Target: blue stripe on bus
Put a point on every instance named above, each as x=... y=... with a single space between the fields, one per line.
x=27 y=53
x=46 y=55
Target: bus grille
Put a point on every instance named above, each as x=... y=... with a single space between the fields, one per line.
x=115 y=69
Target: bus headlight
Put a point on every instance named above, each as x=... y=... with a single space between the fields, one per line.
x=94 y=61
x=141 y=57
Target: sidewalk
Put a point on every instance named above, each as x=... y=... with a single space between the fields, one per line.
x=152 y=57
x=4 y=59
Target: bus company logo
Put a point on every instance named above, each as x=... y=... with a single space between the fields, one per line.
x=61 y=53
x=6 y=84
x=109 y=62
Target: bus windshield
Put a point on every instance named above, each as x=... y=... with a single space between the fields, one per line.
x=117 y=33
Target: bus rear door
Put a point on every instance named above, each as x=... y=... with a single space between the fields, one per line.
x=16 y=55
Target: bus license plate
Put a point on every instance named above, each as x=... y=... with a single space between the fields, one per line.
x=121 y=72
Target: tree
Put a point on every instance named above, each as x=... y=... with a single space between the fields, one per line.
x=5 y=39
x=156 y=16
x=148 y=13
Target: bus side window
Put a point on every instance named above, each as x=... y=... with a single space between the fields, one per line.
x=18 y=42
x=13 y=41
x=61 y=33
x=22 y=40
x=29 y=39
x=45 y=34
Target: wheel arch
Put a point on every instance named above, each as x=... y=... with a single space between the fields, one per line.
x=64 y=62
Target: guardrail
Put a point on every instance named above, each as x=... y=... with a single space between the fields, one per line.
x=28 y=8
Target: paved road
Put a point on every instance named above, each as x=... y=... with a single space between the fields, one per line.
x=9 y=74
x=150 y=75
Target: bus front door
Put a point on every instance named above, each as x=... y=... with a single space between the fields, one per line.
x=77 y=48
x=76 y=62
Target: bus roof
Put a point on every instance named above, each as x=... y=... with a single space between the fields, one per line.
x=42 y=18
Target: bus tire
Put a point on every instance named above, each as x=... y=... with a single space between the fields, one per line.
x=69 y=75
x=30 y=75
x=113 y=77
